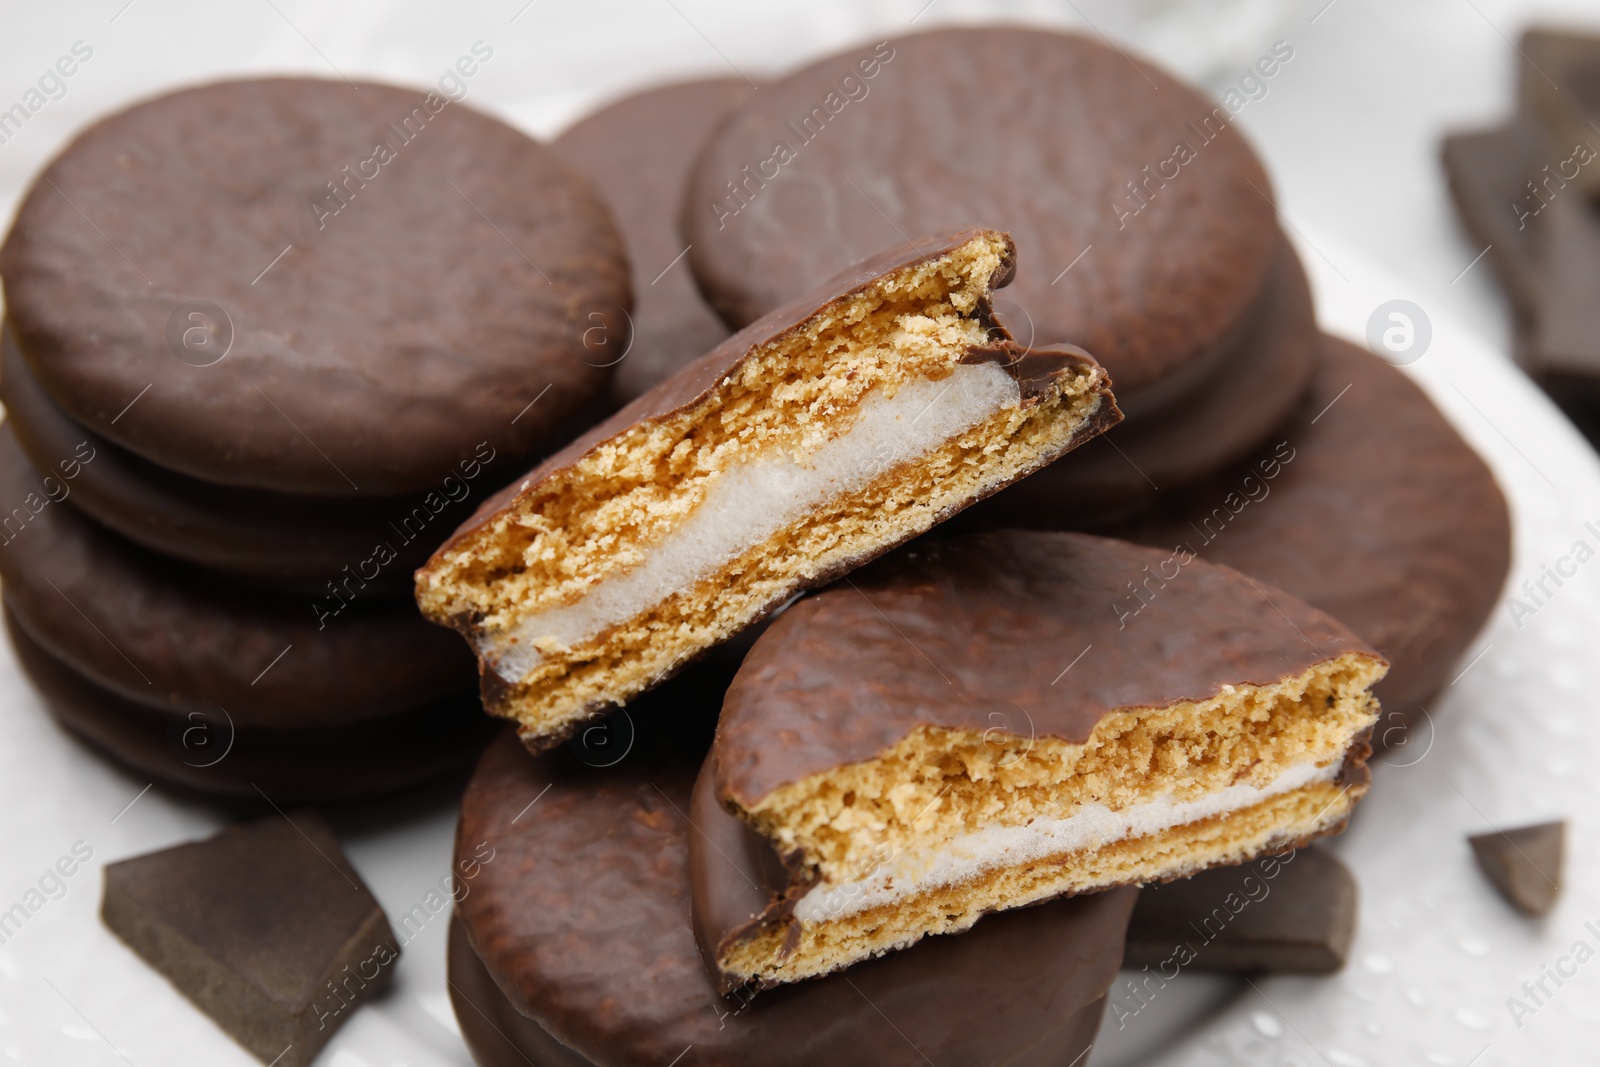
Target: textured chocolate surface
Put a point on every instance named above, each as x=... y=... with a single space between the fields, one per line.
x=265 y=927
x=595 y=947
x=299 y=540
x=1524 y=864
x=976 y=633
x=447 y=293
x=1287 y=914
x=208 y=752
x=638 y=151
x=1046 y=135
x=695 y=381
x=1372 y=509
x=166 y=635
x=1215 y=423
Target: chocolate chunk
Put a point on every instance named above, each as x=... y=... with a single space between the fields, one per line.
x=265 y=927
x=1491 y=173
x=1293 y=913
x=1524 y=864
x=1559 y=82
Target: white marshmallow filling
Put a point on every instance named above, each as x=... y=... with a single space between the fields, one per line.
x=1091 y=825
x=752 y=501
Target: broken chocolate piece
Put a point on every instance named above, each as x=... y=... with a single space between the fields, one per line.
x=1560 y=84
x=1524 y=864
x=265 y=927
x=1289 y=914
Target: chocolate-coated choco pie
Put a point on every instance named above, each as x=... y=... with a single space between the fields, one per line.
x=281 y=539
x=638 y=151
x=818 y=437
x=322 y=289
x=975 y=724
x=166 y=636
x=208 y=752
x=1144 y=219
x=574 y=946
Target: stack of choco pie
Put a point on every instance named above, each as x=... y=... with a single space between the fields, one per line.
x=809 y=832
x=266 y=344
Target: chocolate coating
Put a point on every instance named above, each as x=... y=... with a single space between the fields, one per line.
x=265 y=927
x=300 y=540
x=1039 y=133
x=596 y=951
x=171 y=637
x=206 y=753
x=426 y=294
x=1378 y=513
x=1217 y=422
x=951 y=633
x=637 y=151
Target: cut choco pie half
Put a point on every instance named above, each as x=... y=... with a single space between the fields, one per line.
x=815 y=439
x=986 y=722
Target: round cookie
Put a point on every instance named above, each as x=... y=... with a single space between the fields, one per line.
x=210 y=753
x=1142 y=218
x=1217 y=423
x=170 y=637
x=638 y=151
x=299 y=540
x=1368 y=505
x=309 y=287
x=595 y=951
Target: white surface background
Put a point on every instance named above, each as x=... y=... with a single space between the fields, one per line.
x=1349 y=130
